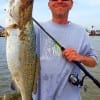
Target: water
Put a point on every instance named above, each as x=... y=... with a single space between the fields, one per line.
x=5 y=77
x=92 y=93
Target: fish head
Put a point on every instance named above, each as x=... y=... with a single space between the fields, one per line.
x=20 y=11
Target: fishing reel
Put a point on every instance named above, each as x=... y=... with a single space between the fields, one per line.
x=73 y=79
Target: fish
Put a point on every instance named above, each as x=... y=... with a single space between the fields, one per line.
x=21 y=53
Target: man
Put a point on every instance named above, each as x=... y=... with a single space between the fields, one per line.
x=56 y=65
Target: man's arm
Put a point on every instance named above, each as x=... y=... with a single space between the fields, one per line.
x=71 y=55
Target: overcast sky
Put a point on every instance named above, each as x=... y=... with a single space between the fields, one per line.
x=84 y=12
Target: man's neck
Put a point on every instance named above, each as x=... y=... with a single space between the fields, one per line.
x=60 y=20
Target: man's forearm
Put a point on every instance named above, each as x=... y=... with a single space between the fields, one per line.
x=88 y=61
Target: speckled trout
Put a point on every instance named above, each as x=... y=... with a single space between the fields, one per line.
x=20 y=48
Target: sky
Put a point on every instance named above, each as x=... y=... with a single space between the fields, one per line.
x=84 y=12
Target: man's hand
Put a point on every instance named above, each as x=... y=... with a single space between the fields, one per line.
x=71 y=55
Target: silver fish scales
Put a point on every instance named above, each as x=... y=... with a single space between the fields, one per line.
x=21 y=56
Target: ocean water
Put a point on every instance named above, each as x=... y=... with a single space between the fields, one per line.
x=5 y=77
x=89 y=92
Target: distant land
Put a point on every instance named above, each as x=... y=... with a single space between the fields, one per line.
x=91 y=32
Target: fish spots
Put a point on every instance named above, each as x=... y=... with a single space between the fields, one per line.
x=36 y=77
x=25 y=14
x=22 y=36
x=10 y=27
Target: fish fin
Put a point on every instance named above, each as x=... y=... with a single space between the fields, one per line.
x=13 y=86
x=36 y=74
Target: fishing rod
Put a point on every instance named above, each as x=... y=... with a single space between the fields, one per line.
x=95 y=81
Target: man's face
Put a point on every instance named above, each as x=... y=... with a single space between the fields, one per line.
x=60 y=7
